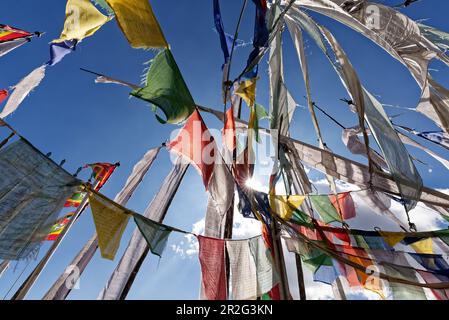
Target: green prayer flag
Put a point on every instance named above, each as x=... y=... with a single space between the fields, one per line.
x=443 y=235
x=302 y=219
x=325 y=209
x=403 y=291
x=165 y=88
x=154 y=233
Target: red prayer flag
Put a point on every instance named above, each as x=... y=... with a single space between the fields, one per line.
x=229 y=139
x=101 y=172
x=344 y=204
x=195 y=143
x=213 y=270
x=8 y=33
x=3 y=95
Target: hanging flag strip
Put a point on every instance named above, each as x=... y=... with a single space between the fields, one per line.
x=212 y=260
x=138 y=23
x=154 y=233
x=243 y=270
x=22 y=90
x=166 y=89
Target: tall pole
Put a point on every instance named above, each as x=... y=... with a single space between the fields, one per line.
x=300 y=273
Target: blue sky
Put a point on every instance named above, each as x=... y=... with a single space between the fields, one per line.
x=84 y=122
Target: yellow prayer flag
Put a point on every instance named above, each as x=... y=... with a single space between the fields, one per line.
x=138 y=23
x=284 y=206
x=247 y=91
x=424 y=246
x=110 y=223
x=392 y=238
x=82 y=20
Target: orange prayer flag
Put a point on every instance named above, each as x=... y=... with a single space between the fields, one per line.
x=195 y=143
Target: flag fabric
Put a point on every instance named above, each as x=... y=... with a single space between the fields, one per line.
x=423 y=246
x=322 y=204
x=392 y=238
x=243 y=270
x=75 y=200
x=8 y=33
x=101 y=172
x=138 y=23
x=82 y=20
x=439 y=137
x=166 y=89
x=213 y=270
x=229 y=133
x=195 y=143
x=344 y=204
x=285 y=206
x=58 y=50
x=33 y=190
x=103 y=5
x=22 y=90
x=8 y=46
x=57 y=228
x=266 y=275
x=3 y=95
x=154 y=233
x=110 y=222
x=247 y=91
x=220 y=29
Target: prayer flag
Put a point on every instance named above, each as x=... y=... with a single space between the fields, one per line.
x=138 y=23
x=154 y=233
x=285 y=206
x=322 y=204
x=213 y=270
x=75 y=200
x=58 y=50
x=110 y=222
x=229 y=132
x=101 y=172
x=8 y=33
x=165 y=88
x=344 y=204
x=57 y=228
x=392 y=238
x=82 y=20
x=247 y=91
x=195 y=143
x=3 y=95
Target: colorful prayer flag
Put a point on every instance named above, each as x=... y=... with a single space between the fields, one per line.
x=138 y=23
x=195 y=143
x=8 y=33
x=57 y=228
x=392 y=238
x=75 y=200
x=3 y=95
x=166 y=89
x=110 y=222
x=247 y=91
x=325 y=209
x=285 y=206
x=344 y=204
x=213 y=268
x=229 y=132
x=101 y=172
x=154 y=233
x=58 y=50
x=82 y=20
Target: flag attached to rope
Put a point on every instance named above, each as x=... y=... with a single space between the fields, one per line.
x=101 y=172
x=154 y=233
x=59 y=50
x=3 y=95
x=325 y=209
x=75 y=200
x=166 y=89
x=247 y=91
x=229 y=138
x=213 y=270
x=22 y=90
x=110 y=222
x=195 y=143
x=285 y=206
x=139 y=24
x=57 y=228
x=8 y=33
x=82 y=20
x=344 y=204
